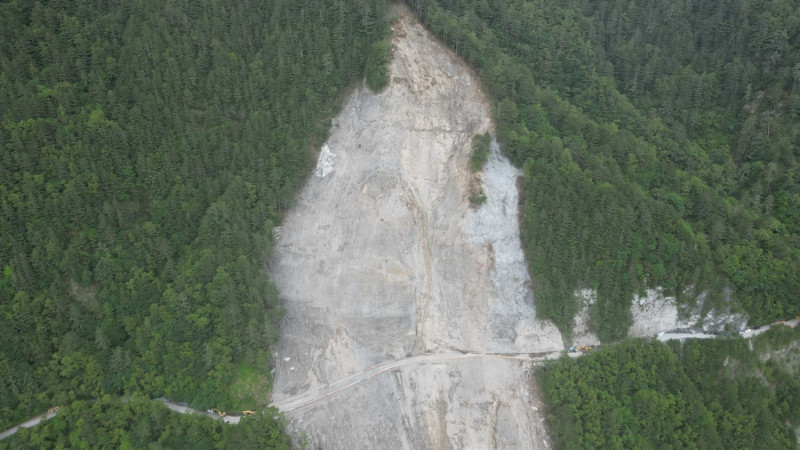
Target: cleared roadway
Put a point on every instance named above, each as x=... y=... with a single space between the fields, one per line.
x=308 y=397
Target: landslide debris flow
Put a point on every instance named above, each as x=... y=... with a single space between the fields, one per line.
x=384 y=259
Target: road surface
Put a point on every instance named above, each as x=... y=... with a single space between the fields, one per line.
x=27 y=424
x=308 y=397
x=663 y=337
x=789 y=323
x=681 y=336
x=185 y=409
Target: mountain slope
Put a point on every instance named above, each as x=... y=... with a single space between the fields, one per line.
x=385 y=256
x=659 y=143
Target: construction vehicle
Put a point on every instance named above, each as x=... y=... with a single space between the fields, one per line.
x=53 y=409
x=581 y=348
x=220 y=413
x=248 y=413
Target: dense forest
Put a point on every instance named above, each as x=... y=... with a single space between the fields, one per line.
x=703 y=394
x=659 y=142
x=147 y=149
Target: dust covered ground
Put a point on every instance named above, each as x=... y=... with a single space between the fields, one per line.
x=385 y=258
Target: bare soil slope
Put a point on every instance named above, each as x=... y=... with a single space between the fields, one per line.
x=384 y=258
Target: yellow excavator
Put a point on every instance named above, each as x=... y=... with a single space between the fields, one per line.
x=221 y=413
x=248 y=413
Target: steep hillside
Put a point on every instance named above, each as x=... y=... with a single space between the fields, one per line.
x=385 y=257
x=659 y=143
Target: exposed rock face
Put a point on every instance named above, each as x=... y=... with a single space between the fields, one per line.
x=656 y=313
x=652 y=314
x=384 y=257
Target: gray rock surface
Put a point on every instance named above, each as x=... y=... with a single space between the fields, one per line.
x=384 y=258
x=656 y=313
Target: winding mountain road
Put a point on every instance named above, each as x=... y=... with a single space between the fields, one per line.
x=748 y=333
x=314 y=395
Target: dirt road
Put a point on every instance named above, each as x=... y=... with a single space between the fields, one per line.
x=748 y=333
x=185 y=409
x=27 y=424
x=314 y=395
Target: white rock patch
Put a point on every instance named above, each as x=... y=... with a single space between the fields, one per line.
x=325 y=161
